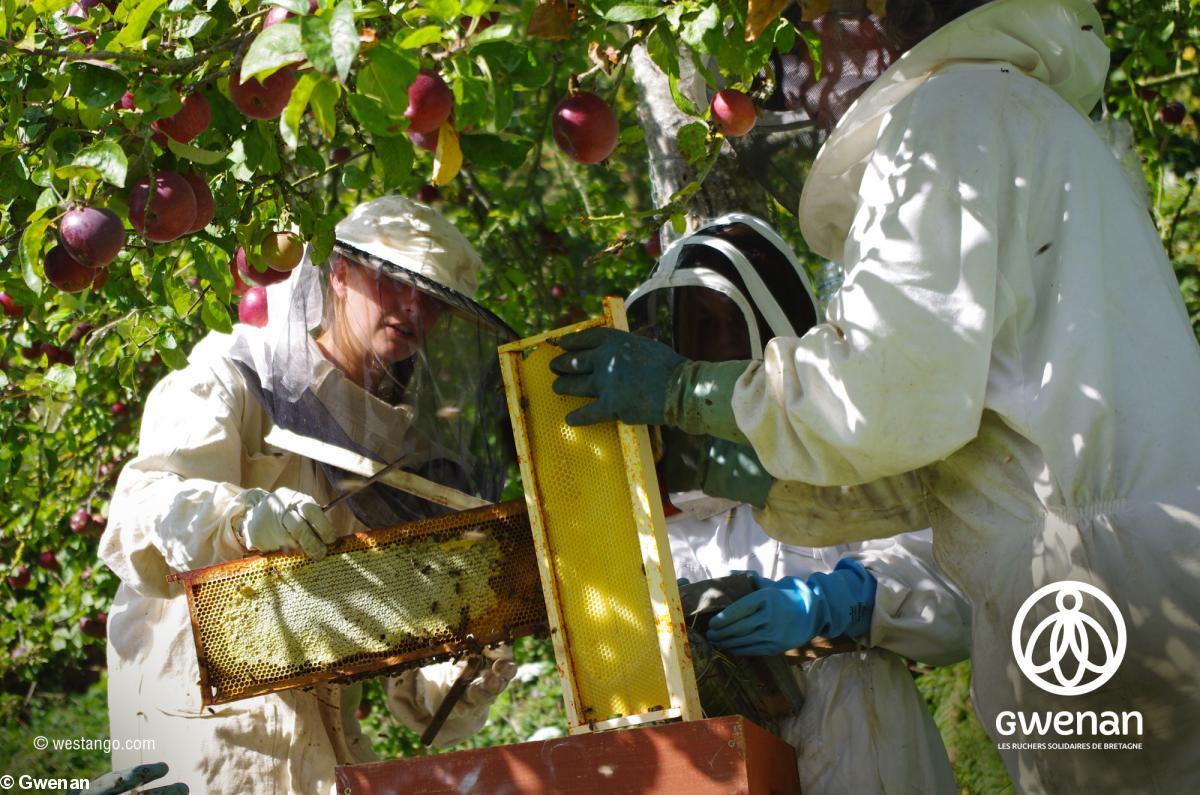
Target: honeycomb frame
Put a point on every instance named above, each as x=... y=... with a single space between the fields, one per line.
x=614 y=610
x=476 y=568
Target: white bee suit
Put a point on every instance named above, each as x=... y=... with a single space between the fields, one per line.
x=1011 y=352
x=174 y=509
x=864 y=727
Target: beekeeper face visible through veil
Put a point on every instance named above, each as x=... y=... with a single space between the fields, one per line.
x=381 y=354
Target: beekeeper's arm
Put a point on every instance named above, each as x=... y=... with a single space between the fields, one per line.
x=917 y=613
x=414 y=696
x=178 y=505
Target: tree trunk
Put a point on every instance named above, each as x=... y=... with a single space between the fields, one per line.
x=727 y=187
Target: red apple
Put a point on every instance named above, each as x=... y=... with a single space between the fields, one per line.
x=65 y=273
x=118 y=408
x=558 y=291
x=483 y=24
x=585 y=127
x=98 y=523
x=430 y=101
x=91 y=235
x=11 y=307
x=428 y=194
x=126 y=102
x=265 y=100
x=254 y=277
x=48 y=560
x=19 y=578
x=81 y=331
x=275 y=16
x=252 y=309
x=166 y=215
x=653 y=245
x=80 y=521
x=101 y=278
x=191 y=120
x=340 y=154
x=94 y=627
x=733 y=112
x=206 y=206
x=427 y=141
x=1172 y=113
x=281 y=251
x=237 y=266
x=364 y=709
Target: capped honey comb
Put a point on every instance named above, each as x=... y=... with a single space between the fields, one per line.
x=377 y=603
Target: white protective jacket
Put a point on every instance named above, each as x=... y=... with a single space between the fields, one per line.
x=1010 y=361
x=863 y=728
x=174 y=509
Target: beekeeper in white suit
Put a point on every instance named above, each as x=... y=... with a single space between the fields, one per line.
x=346 y=359
x=1009 y=360
x=863 y=726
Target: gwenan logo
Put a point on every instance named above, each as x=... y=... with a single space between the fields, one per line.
x=1082 y=656
x=1068 y=652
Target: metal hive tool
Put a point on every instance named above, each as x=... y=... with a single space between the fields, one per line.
x=598 y=525
x=378 y=603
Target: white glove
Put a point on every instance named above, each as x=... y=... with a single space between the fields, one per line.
x=285 y=519
x=492 y=681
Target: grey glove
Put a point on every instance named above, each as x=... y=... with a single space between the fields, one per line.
x=494 y=679
x=285 y=519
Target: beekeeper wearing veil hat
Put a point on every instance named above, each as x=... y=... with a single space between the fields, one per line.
x=1009 y=360
x=376 y=356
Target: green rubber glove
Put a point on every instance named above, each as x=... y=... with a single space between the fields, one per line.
x=627 y=375
x=733 y=471
x=718 y=467
x=640 y=381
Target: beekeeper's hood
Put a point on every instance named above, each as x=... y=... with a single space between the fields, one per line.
x=1059 y=42
x=439 y=409
x=734 y=268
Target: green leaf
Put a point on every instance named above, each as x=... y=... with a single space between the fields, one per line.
x=195 y=154
x=396 y=155
x=135 y=23
x=421 y=37
x=370 y=114
x=324 y=99
x=274 y=48
x=215 y=315
x=445 y=10
x=355 y=178
x=497 y=32
x=293 y=114
x=96 y=86
x=61 y=378
x=107 y=159
x=317 y=43
x=661 y=47
x=681 y=100
x=345 y=38
x=813 y=42
x=693 y=33
x=492 y=151
x=168 y=348
x=692 y=141
x=195 y=26
x=634 y=12
x=785 y=36
x=477 y=8
x=30 y=252
x=386 y=78
x=297 y=7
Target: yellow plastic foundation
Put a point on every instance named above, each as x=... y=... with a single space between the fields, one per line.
x=600 y=537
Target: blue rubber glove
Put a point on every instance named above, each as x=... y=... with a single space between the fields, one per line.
x=627 y=375
x=787 y=613
x=125 y=780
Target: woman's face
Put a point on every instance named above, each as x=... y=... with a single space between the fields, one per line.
x=385 y=317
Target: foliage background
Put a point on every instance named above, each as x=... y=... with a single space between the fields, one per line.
x=556 y=237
